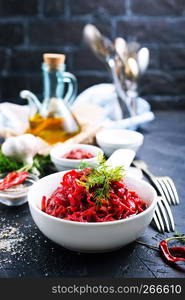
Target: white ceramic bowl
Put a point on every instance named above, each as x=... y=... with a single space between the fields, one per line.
x=63 y=164
x=90 y=237
x=112 y=139
x=17 y=196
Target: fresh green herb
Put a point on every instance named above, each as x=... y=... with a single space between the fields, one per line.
x=84 y=165
x=42 y=164
x=101 y=178
x=8 y=164
x=177 y=234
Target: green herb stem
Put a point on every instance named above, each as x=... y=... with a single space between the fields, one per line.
x=100 y=178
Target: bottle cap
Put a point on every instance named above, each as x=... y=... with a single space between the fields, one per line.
x=54 y=59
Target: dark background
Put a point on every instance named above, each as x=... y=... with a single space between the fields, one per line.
x=30 y=27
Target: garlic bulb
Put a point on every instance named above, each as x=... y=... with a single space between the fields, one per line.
x=22 y=148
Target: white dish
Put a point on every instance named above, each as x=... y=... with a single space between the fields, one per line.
x=63 y=164
x=111 y=139
x=16 y=196
x=121 y=157
x=134 y=173
x=90 y=237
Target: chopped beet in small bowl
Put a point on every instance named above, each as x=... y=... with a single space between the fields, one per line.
x=70 y=156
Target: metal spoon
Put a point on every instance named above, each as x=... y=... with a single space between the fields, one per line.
x=105 y=50
x=143 y=57
x=133 y=68
x=121 y=49
x=100 y=44
x=121 y=95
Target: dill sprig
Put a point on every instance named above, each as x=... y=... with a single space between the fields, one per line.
x=100 y=178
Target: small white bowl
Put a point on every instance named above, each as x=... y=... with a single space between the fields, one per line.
x=112 y=139
x=63 y=164
x=16 y=196
x=90 y=237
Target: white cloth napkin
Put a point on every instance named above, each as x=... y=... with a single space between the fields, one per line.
x=13 y=118
x=104 y=96
x=105 y=109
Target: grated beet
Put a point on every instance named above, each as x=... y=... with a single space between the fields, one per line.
x=71 y=201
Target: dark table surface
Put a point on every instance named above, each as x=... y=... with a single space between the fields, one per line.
x=35 y=256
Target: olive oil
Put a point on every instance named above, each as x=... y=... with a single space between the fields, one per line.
x=52 y=120
x=50 y=129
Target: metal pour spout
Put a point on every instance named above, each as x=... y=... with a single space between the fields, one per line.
x=33 y=101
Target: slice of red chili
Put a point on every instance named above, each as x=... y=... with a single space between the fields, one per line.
x=12 y=179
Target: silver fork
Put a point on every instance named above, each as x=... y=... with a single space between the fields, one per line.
x=163 y=184
x=163 y=217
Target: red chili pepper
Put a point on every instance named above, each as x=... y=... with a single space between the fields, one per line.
x=12 y=179
x=177 y=251
x=172 y=254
